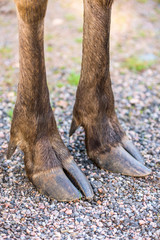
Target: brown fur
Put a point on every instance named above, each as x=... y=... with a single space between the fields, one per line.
x=33 y=126
x=94 y=106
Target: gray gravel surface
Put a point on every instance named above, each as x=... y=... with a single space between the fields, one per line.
x=122 y=208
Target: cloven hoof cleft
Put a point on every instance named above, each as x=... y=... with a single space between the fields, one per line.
x=55 y=183
x=118 y=160
x=131 y=149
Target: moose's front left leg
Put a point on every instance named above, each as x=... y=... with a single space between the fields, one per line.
x=33 y=126
x=106 y=143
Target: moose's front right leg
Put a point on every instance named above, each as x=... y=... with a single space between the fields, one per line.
x=33 y=126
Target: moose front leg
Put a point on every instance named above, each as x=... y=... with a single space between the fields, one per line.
x=33 y=126
x=106 y=143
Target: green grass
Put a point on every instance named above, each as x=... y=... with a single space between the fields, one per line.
x=119 y=47
x=78 y=40
x=56 y=70
x=150 y=87
x=9 y=75
x=63 y=67
x=48 y=37
x=142 y=34
x=80 y=29
x=129 y=97
x=10 y=113
x=73 y=78
x=76 y=60
x=5 y=51
x=157 y=10
x=153 y=18
x=49 y=48
x=60 y=85
x=142 y=1
x=70 y=17
x=135 y=64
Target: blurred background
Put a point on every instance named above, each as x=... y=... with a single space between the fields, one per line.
x=135 y=39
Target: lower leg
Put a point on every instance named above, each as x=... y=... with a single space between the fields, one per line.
x=94 y=109
x=33 y=126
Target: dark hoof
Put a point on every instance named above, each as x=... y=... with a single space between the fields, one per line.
x=78 y=177
x=119 y=160
x=131 y=149
x=11 y=149
x=55 y=184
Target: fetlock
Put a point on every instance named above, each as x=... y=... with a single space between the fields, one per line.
x=101 y=126
x=29 y=130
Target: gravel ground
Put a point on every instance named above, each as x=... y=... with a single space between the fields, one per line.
x=123 y=207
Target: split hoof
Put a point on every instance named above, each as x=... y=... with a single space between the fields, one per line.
x=118 y=160
x=55 y=183
x=132 y=150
